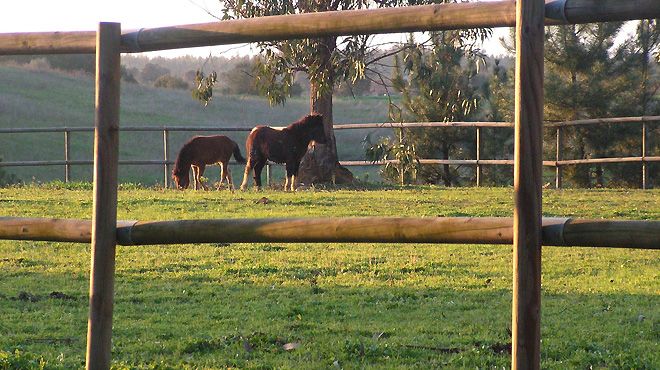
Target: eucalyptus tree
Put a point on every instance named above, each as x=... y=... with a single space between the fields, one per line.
x=328 y=61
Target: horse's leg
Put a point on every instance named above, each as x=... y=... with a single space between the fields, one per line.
x=222 y=175
x=194 y=172
x=257 y=173
x=290 y=176
x=246 y=175
x=228 y=176
x=294 y=175
x=201 y=173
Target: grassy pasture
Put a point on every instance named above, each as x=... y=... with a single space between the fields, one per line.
x=309 y=306
x=51 y=99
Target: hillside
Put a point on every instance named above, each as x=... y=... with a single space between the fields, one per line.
x=36 y=98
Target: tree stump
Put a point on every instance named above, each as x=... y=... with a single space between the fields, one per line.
x=318 y=166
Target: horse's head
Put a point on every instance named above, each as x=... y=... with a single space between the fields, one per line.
x=316 y=131
x=182 y=182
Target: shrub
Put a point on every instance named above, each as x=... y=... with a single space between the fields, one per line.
x=171 y=82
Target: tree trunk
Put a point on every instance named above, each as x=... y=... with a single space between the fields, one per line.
x=600 y=178
x=320 y=164
x=323 y=104
x=447 y=172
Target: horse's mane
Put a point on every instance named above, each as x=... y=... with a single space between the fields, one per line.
x=181 y=164
x=305 y=121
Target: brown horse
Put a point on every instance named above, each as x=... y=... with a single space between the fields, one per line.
x=200 y=151
x=287 y=145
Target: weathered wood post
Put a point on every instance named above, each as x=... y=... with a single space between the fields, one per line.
x=104 y=217
x=558 y=169
x=67 y=155
x=526 y=317
x=478 y=156
x=644 y=168
x=166 y=166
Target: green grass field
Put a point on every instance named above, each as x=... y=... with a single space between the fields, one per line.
x=324 y=306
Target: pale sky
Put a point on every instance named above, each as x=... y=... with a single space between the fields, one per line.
x=84 y=15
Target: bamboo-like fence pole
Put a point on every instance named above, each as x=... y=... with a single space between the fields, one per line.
x=609 y=160
x=644 y=168
x=67 y=155
x=350 y=22
x=499 y=230
x=528 y=186
x=478 y=155
x=345 y=126
x=558 y=169
x=353 y=126
x=166 y=151
x=104 y=216
x=612 y=120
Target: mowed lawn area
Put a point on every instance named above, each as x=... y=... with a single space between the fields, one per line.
x=326 y=306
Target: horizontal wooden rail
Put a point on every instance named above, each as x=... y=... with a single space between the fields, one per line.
x=456 y=162
x=348 y=22
x=354 y=126
x=451 y=230
x=20 y=130
x=607 y=160
x=614 y=120
x=453 y=162
x=76 y=162
x=341 y=126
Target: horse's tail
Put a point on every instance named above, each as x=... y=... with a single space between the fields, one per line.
x=237 y=155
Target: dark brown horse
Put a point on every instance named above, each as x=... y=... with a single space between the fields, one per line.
x=287 y=145
x=200 y=151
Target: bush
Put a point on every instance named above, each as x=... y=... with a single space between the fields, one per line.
x=171 y=82
x=7 y=178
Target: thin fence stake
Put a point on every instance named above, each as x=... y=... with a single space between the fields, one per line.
x=558 y=157
x=478 y=156
x=644 y=168
x=67 y=156
x=166 y=165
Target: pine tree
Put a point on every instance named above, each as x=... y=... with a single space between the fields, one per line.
x=498 y=143
x=581 y=81
x=436 y=86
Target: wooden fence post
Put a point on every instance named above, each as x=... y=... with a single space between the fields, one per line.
x=166 y=166
x=67 y=156
x=644 y=168
x=528 y=185
x=478 y=156
x=104 y=217
x=558 y=156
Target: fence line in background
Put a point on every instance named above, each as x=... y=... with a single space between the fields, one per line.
x=558 y=163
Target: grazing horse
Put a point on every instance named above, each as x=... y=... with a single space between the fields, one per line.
x=287 y=145
x=200 y=151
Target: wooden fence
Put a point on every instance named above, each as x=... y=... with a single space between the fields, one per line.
x=557 y=231
x=477 y=162
x=528 y=17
